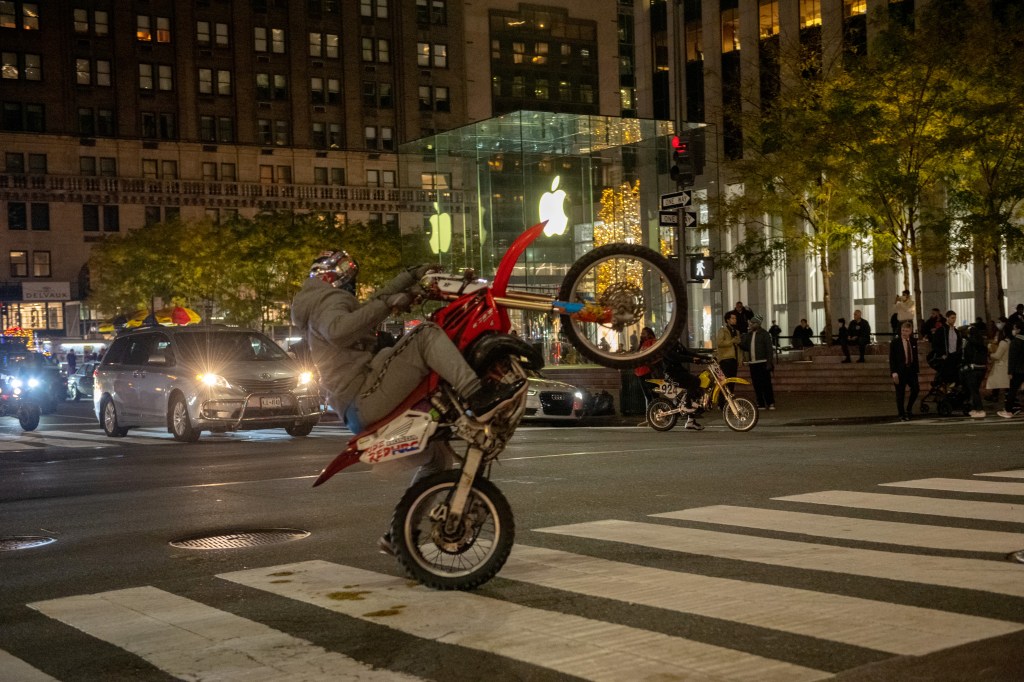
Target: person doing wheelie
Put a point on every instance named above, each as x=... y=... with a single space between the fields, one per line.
x=676 y=362
x=363 y=386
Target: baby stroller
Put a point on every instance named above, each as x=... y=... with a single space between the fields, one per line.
x=947 y=393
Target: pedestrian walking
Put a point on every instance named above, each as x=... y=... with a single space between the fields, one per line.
x=860 y=333
x=904 y=365
x=761 y=360
x=972 y=370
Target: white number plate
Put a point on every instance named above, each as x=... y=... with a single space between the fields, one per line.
x=271 y=402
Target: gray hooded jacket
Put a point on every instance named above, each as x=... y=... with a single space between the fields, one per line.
x=342 y=333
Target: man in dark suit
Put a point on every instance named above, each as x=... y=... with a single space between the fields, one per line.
x=947 y=345
x=860 y=333
x=904 y=366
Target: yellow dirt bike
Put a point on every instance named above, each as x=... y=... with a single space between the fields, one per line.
x=740 y=414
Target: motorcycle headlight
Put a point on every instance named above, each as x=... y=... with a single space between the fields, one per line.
x=213 y=380
x=305 y=378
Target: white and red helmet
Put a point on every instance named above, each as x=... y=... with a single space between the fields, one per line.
x=337 y=268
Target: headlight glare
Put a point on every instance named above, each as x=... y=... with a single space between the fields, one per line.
x=33 y=383
x=211 y=379
x=305 y=378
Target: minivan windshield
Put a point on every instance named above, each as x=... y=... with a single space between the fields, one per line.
x=228 y=346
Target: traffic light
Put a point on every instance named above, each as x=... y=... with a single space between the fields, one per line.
x=683 y=168
x=702 y=267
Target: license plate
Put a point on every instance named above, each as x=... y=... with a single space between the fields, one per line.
x=271 y=402
x=557 y=396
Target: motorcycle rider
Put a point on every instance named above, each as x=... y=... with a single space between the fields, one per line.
x=676 y=359
x=364 y=386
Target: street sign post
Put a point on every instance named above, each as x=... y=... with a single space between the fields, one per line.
x=676 y=199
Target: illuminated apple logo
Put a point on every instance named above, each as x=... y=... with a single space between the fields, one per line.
x=440 y=231
x=552 y=209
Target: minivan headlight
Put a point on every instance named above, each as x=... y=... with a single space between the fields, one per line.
x=212 y=380
x=305 y=378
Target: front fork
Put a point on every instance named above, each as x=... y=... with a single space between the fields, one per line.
x=452 y=511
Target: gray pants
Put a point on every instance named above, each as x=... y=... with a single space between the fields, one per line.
x=396 y=371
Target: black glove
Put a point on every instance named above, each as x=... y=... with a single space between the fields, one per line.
x=401 y=302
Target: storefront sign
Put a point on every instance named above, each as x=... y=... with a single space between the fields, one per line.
x=46 y=291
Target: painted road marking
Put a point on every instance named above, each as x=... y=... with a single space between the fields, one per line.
x=14 y=669
x=968 y=574
x=911 y=504
x=1016 y=473
x=961 y=485
x=189 y=640
x=866 y=530
x=566 y=643
x=905 y=630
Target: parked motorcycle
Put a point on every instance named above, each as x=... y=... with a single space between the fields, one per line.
x=15 y=402
x=740 y=414
x=454 y=530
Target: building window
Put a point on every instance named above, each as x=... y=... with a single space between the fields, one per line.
x=41 y=264
x=83 y=72
x=108 y=166
x=387 y=138
x=768 y=18
x=426 y=100
x=40 y=217
x=19 y=263
x=324 y=45
x=221 y=35
x=319 y=134
x=810 y=13
x=87 y=165
x=260 y=38
x=103 y=72
x=370 y=137
x=373 y=8
x=163 y=30
x=14 y=163
x=145 y=76
x=376 y=50
x=17 y=215
x=111 y=219
x=730 y=30
x=143 y=29
x=96 y=21
x=37 y=164
x=90 y=218
x=152 y=216
x=282 y=133
x=19 y=15
x=432 y=12
x=21 y=66
x=23 y=117
x=203 y=32
x=435 y=55
x=160 y=126
x=86 y=121
x=105 y=124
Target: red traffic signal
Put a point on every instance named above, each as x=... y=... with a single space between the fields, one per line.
x=680 y=146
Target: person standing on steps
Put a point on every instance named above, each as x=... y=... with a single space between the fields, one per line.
x=904 y=366
x=860 y=333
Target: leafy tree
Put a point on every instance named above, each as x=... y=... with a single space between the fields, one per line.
x=796 y=198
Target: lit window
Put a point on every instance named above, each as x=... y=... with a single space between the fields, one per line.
x=277 y=40
x=83 y=72
x=163 y=30
x=260 y=39
x=222 y=34
x=768 y=18
x=203 y=32
x=143 y=31
x=146 y=76
x=103 y=72
x=810 y=13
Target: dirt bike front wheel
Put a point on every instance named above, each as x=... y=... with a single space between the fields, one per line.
x=623 y=288
x=452 y=559
x=660 y=415
x=741 y=416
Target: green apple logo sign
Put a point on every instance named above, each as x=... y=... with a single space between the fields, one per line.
x=440 y=231
x=552 y=209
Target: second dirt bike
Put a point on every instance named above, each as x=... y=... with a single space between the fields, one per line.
x=455 y=529
x=740 y=414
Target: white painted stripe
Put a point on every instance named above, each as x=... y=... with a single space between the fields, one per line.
x=886 y=532
x=93 y=437
x=1016 y=473
x=568 y=644
x=14 y=669
x=141 y=437
x=961 y=485
x=905 y=630
x=912 y=504
x=15 y=446
x=44 y=439
x=189 y=640
x=969 y=574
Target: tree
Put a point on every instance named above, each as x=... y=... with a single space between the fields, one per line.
x=795 y=199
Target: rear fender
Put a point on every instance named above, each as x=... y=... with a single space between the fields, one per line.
x=488 y=349
x=348 y=457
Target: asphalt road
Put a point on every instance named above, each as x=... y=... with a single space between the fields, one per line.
x=638 y=556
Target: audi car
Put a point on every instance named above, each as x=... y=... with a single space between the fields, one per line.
x=204 y=378
x=552 y=401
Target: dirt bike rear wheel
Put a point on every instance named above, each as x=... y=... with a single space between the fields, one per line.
x=462 y=560
x=658 y=417
x=640 y=287
x=745 y=417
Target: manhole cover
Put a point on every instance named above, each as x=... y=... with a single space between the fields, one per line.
x=248 y=538
x=24 y=542
x=1018 y=557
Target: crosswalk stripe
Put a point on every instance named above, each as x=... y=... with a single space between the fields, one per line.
x=566 y=643
x=44 y=439
x=969 y=574
x=15 y=445
x=98 y=437
x=1016 y=473
x=961 y=485
x=866 y=530
x=893 y=628
x=13 y=669
x=189 y=640
x=911 y=504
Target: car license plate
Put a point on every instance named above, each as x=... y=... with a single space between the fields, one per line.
x=271 y=402
x=557 y=396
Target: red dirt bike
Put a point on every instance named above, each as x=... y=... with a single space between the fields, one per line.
x=454 y=530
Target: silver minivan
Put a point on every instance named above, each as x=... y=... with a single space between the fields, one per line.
x=211 y=378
